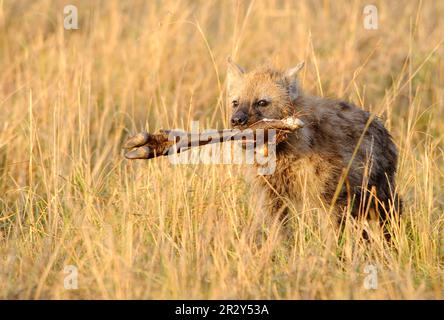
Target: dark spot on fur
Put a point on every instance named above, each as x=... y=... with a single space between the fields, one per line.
x=310 y=142
x=344 y=106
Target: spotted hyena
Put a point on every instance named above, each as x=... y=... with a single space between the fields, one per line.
x=343 y=159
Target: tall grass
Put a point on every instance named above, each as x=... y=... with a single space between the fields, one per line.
x=148 y=229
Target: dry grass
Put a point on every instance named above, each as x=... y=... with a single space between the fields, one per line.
x=149 y=229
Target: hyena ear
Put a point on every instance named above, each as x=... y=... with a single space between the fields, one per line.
x=293 y=72
x=291 y=76
x=235 y=73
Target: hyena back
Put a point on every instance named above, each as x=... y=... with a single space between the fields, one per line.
x=312 y=162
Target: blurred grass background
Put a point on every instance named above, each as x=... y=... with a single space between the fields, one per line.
x=148 y=229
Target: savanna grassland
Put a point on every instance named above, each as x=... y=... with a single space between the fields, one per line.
x=149 y=229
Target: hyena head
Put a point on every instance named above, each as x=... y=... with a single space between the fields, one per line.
x=262 y=93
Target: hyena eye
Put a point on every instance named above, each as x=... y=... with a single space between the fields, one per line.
x=235 y=103
x=262 y=103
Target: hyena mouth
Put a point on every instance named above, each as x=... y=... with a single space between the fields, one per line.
x=265 y=130
x=247 y=125
x=242 y=126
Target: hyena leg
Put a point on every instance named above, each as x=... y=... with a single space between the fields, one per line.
x=389 y=212
x=384 y=211
x=266 y=221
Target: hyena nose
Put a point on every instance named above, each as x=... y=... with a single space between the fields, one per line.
x=239 y=119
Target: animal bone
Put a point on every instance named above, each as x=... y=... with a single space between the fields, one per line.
x=145 y=145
